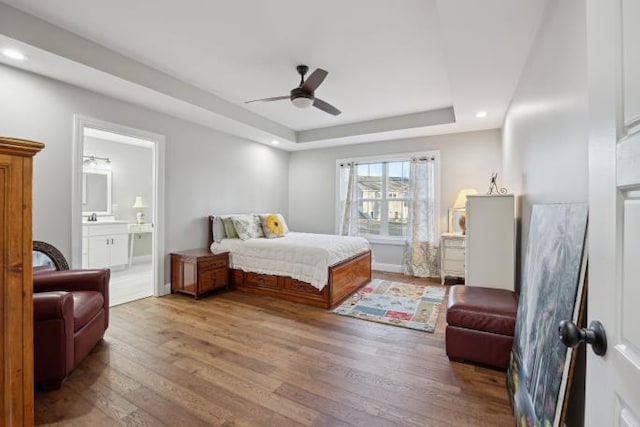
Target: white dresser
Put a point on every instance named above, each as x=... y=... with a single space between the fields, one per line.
x=105 y=244
x=491 y=238
x=452 y=249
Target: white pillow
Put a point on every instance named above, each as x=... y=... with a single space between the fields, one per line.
x=247 y=226
x=218 y=229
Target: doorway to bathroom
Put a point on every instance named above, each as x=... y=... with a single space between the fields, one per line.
x=117 y=207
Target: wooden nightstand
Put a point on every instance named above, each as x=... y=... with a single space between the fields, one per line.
x=452 y=247
x=197 y=271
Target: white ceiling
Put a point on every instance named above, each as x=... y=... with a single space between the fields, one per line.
x=395 y=68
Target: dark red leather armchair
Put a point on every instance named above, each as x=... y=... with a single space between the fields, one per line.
x=71 y=314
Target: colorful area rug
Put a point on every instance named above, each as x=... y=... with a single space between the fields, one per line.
x=394 y=303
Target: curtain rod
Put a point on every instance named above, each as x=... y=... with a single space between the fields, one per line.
x=421 y=158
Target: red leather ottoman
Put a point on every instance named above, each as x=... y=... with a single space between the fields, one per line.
x=480 y=324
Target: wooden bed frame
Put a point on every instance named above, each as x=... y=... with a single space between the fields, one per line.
x=344 y=279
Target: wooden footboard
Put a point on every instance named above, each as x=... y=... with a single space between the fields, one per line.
x=344 y=279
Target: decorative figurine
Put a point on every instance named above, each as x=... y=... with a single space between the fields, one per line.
x=493 y=185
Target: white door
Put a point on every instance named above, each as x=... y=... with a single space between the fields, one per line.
x=613 y=50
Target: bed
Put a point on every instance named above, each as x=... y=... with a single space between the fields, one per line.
x=343 y=276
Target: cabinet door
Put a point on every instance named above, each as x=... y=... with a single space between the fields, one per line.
x=99 y=252
x=16 y=283
x=119 y=245
x=206 y=281
x=212 y=279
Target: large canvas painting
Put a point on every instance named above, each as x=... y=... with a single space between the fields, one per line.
x=551 y=289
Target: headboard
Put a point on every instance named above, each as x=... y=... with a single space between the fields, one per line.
x=212 y=218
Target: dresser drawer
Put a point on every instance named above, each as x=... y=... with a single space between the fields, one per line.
x=262 y=280
x=296 y=287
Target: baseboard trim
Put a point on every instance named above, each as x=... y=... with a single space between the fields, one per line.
x=167 y=289
x=390 y=268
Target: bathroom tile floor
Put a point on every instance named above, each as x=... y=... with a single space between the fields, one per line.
x=130 y=284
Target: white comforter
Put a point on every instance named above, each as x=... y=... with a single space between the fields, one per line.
x=303 y=256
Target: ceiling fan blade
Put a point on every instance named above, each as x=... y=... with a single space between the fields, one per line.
x=275 y=98
x=314 y=80
x=326 y=107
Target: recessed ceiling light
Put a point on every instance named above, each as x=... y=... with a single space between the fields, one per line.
x=481 y=114
x=14 y=54
x=275 y=142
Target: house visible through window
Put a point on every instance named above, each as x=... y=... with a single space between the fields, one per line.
x=381 y=198
x=380 y=202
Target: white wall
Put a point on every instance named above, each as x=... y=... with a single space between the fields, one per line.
x=206 y=171
x=545 y=134
x=466 y=161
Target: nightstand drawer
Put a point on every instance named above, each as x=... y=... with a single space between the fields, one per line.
x=211 y=263
x=452 y=266
x=453 y=243
x=452 y=255
x=456 y=254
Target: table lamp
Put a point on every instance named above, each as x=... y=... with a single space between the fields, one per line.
x=140 y=205
x=461 y=204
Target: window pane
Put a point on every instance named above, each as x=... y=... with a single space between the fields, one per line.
x=369 y=214
x=370 y=181
x=397 y=217
x=370 y=169
x=398 y=181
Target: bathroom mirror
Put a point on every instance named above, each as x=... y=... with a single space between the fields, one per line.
x=96 y=192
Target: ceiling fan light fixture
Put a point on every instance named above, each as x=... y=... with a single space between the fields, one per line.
x=302 y=102
x=303 y=96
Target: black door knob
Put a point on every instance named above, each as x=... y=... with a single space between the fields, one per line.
x=571 y=335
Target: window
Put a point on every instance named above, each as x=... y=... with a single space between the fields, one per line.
x=381 y=198
x=382 y=190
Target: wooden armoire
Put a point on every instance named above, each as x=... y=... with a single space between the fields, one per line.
x=16 y=298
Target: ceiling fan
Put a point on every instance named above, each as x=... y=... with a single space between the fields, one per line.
x=303 y=96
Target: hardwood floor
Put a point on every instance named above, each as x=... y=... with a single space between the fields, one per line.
x=236 y=359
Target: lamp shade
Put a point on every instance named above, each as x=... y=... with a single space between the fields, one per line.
x=139 y=203
x=461 y=200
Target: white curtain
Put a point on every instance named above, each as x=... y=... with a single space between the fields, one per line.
x=421 y=247
x=348 y=191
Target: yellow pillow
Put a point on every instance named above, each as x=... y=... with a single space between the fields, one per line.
x=272 y=225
